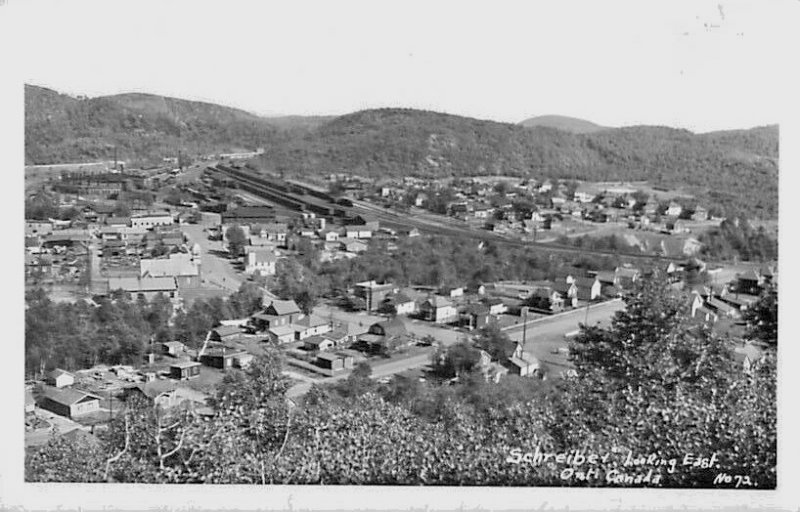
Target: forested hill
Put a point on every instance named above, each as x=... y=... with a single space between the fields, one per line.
x=143 y=127
x=733 y=169
x=567 y=124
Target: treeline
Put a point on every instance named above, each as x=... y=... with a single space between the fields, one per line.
x=118 y=330
x=736 y=171
x=143 y=128
x=648 y=384
x=600 y=243
x=443 y=261
x=736 y=238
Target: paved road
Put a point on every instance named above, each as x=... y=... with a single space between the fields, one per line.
x=545 y=336
x=217 y=270
x=542 y=338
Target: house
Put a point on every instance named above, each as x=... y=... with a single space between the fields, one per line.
x=626 y=276
x=329 y=234
x=568 y=293
x=69 y=402
x=161 y=393
x=747 y=355
x=334 y=362
x=679 y=247
x=583 y=195
x=344 y=333
x=673 y=210
x=281 y=334
x=183 y=267
x=310 y=325
x=358 y=232
x=351 y=245
x=318 y=343
x=522 y=364
x=706 y=315
x=184 y=370
x=373 y=293
x=279 y=312
x=740 y=301
x=452 y=292
x=474 y=316
x=225 y=357
x=391 y=331
x=722 y=308
x=438 y=309
x=262 y=261
x=768 y=273
x=749 y=282
x=60 y=378
x=696 y=304
x=172 y=348
x=408 y=232
x=147 y=287
x=589 y=288
x=496 y=306
x=275 y=232
x=552 y=299
x=402 y=303
x=700 y=214
x=224 y=333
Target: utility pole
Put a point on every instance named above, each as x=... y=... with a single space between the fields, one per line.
x=524 y=325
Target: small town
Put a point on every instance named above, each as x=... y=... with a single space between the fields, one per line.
x=181 y=236
x=305 y=250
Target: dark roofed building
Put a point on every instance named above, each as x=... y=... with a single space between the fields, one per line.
x=69 y=402
x=225 y=331
x=160 y=392
x=184 y=370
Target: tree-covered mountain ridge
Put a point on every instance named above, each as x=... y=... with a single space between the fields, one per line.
x=731 y=168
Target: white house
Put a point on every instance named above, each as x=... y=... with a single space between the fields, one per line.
x=60 y=378
x=674 y=209
x=310 y=325
x=261 y=261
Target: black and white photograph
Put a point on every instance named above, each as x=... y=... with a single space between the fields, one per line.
x=356 y=245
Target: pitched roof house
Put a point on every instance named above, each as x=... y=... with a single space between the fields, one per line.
x=69 y=402
x=60 y=378
x=438 y=309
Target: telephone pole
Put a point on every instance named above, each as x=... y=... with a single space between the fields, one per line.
x=524 y=325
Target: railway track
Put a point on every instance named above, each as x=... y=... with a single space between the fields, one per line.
x=287 y=196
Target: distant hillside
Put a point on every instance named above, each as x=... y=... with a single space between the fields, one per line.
x=736 y=170
x=298 y=122
x=143 y=127
x=567 y=124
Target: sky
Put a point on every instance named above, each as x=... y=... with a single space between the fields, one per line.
x=691 y=64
